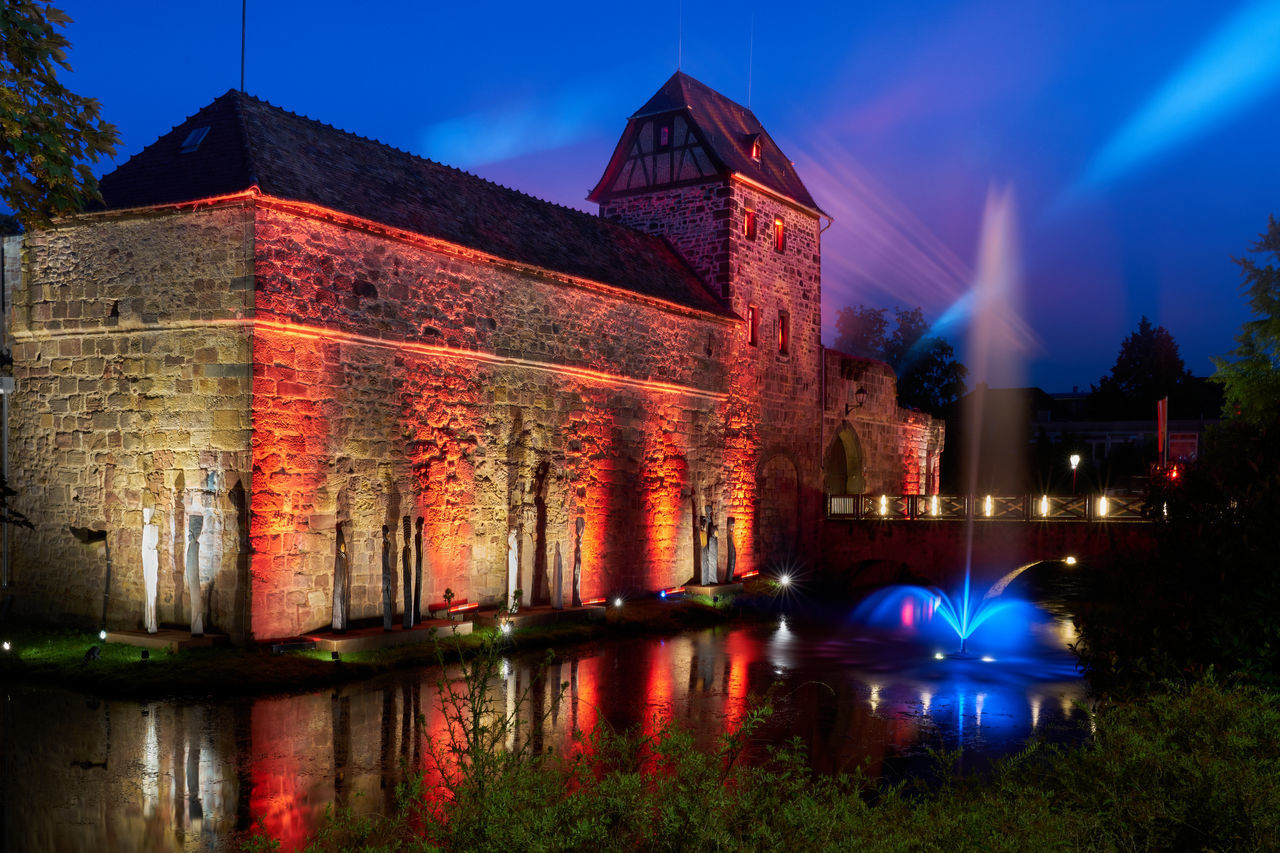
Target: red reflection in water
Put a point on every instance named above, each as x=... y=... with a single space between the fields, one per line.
x=741 y=650
x=279 y=730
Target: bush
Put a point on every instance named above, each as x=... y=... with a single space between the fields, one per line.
x=1194 y=768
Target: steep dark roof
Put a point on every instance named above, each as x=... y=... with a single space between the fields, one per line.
x=728 y=129
x=251 y=142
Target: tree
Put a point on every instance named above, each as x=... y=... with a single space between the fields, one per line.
x=1147 y=369
x=48 y=134
x=1250 y=375
x=929 y=377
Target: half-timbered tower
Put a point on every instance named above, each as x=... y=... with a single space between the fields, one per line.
x=702 y=171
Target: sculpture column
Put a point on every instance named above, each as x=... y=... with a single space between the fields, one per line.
x=578 y=525
x=386 y=578
x=150 y=569
x=407 y=588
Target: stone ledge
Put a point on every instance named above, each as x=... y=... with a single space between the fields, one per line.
x=168 y=639
x=369 y=639
x=529 y=617
x=713 y=590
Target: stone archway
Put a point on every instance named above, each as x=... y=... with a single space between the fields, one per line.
x=777 y=508
x=842 y=466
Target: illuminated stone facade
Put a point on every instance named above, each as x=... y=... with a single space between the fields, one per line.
x=315 y=344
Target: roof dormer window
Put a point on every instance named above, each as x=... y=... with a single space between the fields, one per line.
x=194 y=138
x=755 y=148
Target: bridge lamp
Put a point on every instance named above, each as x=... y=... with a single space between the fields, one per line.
x=1070 y=561
x=933 y=505
x=1044 y=506
x=884 y=504
x=1102 y=506
x=1075 y=462
x=988 y=506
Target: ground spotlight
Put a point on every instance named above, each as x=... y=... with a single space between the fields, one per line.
x=617 y=602
x=146 y=655
x=784 y=581
x=506 y=627
x=938 y=655
x=6 y=645
x=102 y=635
x=1070 y=561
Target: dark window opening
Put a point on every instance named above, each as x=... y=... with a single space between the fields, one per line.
x=779 y=236
x=664 y=136
x=749 y=225
x=784 y=333
x=753 y=325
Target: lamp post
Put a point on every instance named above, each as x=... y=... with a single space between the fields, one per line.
x=89 y=537
x=1075 y=461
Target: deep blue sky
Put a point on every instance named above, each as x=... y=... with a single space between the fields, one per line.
x=1137 y=140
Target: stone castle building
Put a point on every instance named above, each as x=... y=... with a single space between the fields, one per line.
x=277 y=338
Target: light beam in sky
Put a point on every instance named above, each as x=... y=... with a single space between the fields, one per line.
x=1234 y=69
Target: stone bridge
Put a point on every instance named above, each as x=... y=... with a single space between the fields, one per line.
x=882 y=540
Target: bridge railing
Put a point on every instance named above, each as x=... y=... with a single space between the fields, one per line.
x=986 y=507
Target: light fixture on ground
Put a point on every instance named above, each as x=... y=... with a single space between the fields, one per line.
x=1070 y=561
x=617 y=602
x=784 y=581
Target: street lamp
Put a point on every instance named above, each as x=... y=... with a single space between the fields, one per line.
x=90 y=537
x=1075 y=461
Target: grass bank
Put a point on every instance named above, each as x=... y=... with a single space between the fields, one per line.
x=56 y=656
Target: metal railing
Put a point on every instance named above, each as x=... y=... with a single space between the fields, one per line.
x=986 y=507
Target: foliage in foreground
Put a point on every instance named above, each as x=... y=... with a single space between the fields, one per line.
x=1197 y=768
x=49 y=135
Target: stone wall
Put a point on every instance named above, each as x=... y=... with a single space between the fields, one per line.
x=395 y=377
x=131 y=359
x=772 y=434
x=895 y=450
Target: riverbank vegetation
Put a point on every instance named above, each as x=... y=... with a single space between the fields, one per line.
x=1194 y=768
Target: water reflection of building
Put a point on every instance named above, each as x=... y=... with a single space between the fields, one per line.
x=190 y=776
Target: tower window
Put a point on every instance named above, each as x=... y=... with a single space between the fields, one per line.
x=664 y=136
x=749 y=224
x=753 y=325
x=779 y=236
x=755 y=149
x=784 y=333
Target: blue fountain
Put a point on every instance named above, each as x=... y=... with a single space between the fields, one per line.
x=962 y=613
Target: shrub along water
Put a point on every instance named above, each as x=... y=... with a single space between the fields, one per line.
x=1197 y=767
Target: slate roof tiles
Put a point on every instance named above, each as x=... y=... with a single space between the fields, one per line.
x=250 y=142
